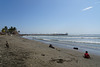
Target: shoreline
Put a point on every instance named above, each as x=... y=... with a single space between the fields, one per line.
x=29 y=53
x=68 y=46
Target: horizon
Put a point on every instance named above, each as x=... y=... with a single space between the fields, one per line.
x=51 y=16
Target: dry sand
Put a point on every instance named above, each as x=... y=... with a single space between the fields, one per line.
x=29 y=53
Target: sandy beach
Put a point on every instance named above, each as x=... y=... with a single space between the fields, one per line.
x=29 y=53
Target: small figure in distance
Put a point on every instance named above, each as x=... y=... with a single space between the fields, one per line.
x=7 y=45
x=86 y=55
x=51 y=46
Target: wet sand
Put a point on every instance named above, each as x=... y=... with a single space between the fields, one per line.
x=29 y=53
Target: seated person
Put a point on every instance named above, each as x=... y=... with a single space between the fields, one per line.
x=86 y=55
x=51 y=46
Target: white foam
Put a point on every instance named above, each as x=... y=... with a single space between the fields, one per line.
x=81 y=41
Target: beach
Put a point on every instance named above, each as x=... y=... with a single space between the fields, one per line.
x=29 y=53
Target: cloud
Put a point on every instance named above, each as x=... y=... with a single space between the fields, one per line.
x=87 y=8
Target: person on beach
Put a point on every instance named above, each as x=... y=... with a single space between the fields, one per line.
x=86 y=55
x=51 y=46
x=7 y=45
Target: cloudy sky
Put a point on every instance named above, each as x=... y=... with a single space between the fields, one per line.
x=51 y=16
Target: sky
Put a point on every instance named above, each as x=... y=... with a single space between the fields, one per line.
x=51 y=16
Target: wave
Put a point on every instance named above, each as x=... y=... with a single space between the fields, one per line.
x=89 y=42
x=84 y=37
x=48 y=39
x=55 y=37
x=65 y=39
x=74 y=41
x=42 y=39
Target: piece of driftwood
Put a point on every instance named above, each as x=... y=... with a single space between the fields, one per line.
x=76 y=48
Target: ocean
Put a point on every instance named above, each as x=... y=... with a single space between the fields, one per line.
x=85 y=42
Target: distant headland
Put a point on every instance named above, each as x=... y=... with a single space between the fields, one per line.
x=42 y=34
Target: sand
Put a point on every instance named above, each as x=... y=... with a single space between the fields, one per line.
x=30 y=53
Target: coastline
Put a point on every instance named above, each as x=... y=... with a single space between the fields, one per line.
x=84 y=43
x=30 y=53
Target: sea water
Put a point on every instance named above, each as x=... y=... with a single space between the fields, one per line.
x=90 y=43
